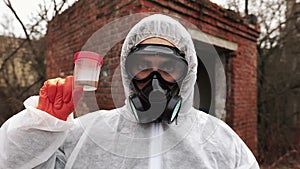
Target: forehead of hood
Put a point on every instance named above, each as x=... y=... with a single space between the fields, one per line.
x=167 y=28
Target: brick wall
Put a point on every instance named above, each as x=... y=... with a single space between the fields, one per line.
x=69 y=31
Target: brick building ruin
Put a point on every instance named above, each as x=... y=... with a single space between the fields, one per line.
x=233 y=37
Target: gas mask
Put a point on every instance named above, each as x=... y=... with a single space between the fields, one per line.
x=156 y=72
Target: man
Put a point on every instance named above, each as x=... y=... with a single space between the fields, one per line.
x=157 y=127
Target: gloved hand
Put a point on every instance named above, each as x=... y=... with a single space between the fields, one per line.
x=56 y=97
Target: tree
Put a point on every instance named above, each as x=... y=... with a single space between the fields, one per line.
x=278 y=82
x=22 y=64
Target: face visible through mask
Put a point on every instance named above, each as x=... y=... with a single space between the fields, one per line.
x=172 y=68
x=156 y=69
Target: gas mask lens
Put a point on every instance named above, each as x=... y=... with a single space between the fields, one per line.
x=168 y=61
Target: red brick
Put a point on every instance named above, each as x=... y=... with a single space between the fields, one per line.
x=69 y=31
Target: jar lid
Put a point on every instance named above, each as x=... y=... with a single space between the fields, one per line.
x=88 y=55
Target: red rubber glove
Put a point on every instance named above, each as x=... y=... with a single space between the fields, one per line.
x=56 y=97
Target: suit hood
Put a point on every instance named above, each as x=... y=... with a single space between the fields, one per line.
x=165 y=27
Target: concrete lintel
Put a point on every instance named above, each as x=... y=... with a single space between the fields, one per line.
x=203 y=37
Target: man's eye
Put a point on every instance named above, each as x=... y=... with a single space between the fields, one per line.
x=168 y=67
x=142 y=66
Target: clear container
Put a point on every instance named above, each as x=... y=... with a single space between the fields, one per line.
x=87 y=70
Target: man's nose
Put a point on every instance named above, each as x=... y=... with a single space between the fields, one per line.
x=155 y=68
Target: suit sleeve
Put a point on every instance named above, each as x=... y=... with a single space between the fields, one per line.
x=32 y=138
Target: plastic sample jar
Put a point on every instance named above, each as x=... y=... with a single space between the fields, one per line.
x=87 y=70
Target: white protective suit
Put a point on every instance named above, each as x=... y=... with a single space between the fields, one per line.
x=113 y=139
